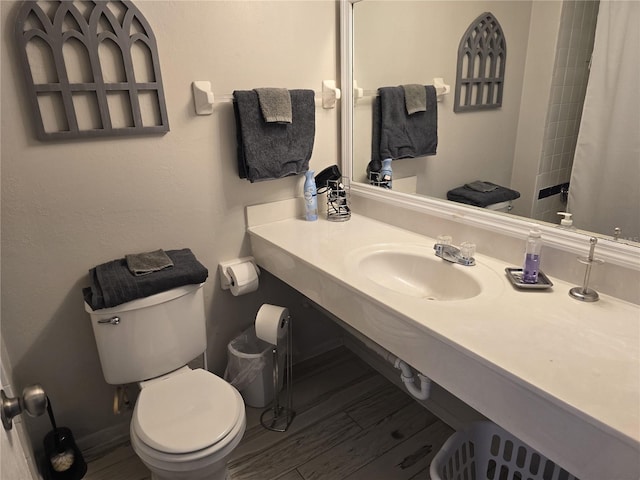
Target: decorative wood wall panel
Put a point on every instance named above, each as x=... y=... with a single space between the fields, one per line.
x=482 y=57
x=91 y=69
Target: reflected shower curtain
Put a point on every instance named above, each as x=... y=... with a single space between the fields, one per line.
x=605 y=179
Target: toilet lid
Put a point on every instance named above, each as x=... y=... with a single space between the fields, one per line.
x=186 y=412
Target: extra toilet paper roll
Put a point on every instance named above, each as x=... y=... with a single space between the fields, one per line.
x=244 y=278
x=271 y=323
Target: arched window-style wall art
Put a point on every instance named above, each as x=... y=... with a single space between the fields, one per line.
x=91 y=68
x=482 y=56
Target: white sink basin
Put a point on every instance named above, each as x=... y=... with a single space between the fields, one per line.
x=415 y=271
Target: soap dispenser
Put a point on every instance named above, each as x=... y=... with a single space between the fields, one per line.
x=533 y=249
x=566 y=220
x=386 y=174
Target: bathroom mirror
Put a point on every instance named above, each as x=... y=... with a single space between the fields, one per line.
x=526 y=145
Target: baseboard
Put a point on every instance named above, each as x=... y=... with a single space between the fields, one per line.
x=441 y=403
x=316 y=350
x=97 y=444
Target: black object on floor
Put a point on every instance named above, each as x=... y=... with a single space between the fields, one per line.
x=61 y=450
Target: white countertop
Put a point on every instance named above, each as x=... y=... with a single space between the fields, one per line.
x=562 y=375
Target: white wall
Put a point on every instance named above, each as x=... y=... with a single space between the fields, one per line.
x=67 y=206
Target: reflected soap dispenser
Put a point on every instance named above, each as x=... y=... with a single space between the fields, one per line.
x=533 y=249
x=386 y=174
x=310 y=196
x=566 y=221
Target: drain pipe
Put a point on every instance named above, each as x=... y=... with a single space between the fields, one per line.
x=407 y=375
x=409 y=379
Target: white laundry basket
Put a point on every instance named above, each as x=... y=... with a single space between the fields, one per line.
x=484 y=451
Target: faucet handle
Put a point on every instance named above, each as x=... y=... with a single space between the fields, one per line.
x=467 y=250
x=444 y=239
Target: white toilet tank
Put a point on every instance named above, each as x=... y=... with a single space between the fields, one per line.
x=151 y=336
x=505 y=206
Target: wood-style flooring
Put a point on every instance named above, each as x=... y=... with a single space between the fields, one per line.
x=351 y=424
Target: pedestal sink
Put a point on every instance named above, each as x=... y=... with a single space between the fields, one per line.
x=415 y=271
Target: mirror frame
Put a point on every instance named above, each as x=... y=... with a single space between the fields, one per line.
x=611 y=251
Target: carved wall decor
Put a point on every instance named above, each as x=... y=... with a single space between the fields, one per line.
x=482 y=56
x=91 y=69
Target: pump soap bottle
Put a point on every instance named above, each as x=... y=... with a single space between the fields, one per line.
x=310 y=196
x=533 y=248
x=566 y=220
x=386 y=174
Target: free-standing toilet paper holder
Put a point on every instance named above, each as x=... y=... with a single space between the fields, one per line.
x=277 y=418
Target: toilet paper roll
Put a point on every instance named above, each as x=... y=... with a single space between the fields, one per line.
x=271 y=323
x=244 y=278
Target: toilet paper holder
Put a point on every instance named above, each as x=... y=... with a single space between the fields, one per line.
x=225 y=277
x=278 y=417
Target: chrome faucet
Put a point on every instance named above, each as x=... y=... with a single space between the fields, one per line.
x=453 y=254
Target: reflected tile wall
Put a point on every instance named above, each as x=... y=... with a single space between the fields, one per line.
x=570 y=76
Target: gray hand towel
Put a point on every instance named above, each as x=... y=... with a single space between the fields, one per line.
x=480 y=186
x=148 y=262
x=395 y=133
x=112 y=283
x=273 y=150
x=415 y=98
x=275 y=104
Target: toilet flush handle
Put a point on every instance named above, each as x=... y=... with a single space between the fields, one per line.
x=110 y=321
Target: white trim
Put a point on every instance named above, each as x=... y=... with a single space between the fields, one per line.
x=97 y=444
x=346 y=61
x=615 y=252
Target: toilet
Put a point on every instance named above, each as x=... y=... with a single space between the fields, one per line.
x=186 y=422
x=505 y=206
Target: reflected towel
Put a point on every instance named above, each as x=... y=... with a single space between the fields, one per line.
x=415 y=98
x=480 y=186
x=472 y=196
x=112 y=283
x=395 y=133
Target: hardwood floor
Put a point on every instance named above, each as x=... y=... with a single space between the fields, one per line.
x=350 y=424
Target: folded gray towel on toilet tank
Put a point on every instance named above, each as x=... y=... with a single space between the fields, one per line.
x=470 y=196
x=112 y=283
x=275 y=104
x=268 y=151
x=395 y=133
x=148 y=262
x=480 y=186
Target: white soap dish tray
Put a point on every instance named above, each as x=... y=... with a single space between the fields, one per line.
x=515 y=277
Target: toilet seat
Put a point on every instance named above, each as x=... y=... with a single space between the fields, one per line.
x=187 y=412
